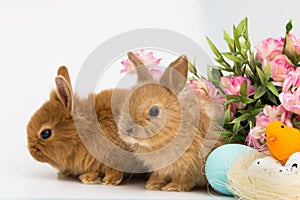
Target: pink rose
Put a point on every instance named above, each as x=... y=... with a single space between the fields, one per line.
x=262 y=120
x=269 y=48
x=232 y=85
x=280 y=66
x=269 y=113
x=291 y=101
x=256 y=138
x=203 y=86
x=147 y=58
x=291 y=81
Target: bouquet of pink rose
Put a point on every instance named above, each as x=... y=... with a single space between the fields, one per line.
x=258 y=87
x=255 y=88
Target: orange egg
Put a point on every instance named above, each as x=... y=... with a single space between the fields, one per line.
x=282 y=141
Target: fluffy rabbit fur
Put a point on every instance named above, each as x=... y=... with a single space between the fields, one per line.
x=63 y=148
x=167 y=127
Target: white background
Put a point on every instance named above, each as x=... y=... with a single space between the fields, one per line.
x=37 y=36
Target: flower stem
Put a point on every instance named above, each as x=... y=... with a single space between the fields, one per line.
x=288 y=28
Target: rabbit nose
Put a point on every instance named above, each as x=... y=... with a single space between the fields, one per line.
x=129 y=131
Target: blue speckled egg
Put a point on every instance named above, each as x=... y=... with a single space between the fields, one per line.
x=218 y=163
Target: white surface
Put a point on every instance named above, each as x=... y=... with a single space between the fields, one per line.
x=38 y=36
x=29 y=179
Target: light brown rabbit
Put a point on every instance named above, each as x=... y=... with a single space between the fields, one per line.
x=168 y=127
x=55 y=138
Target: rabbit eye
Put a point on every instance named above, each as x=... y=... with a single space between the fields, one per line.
x=45 y=134
x=154 y=111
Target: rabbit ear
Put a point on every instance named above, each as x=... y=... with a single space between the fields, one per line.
x=175 y=75
x=142 y=72
x=64 y=92
x=63 y=71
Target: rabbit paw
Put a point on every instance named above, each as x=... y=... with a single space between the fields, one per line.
x=176 y=187
x=112 y=180
x=112 y=177
x=91 y=182
x=63 y=175
x=154 y=184
x=90 y=178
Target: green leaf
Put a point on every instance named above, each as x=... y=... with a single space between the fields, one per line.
x=248 y=45
x=248 y=74
x=227 y=115
x=258 y=103
x=226 y=134
x=289 y=26
x=214 y=75
x=232 y=57
x=261 y=76
x=229 y=41
x=232 y=98
x=240 y=28
x=244 y=55
x=222 y=62
x=246 y=26
x=236 y=138
x=252 y=63
x=219 y=68
x=193 y=69
x=236 y=127
x=232 y=101
x=261 y=90
x=244 y=89
x=242 y=111
x=272 y=88
x=213 y=48
x=235 y=98
x=267 y=71
x=272 y=98
x=240 y=118
x=255 y=111
x=236 y=37
x=247 y=100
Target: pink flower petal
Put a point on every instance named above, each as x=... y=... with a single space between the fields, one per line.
x=147 y=58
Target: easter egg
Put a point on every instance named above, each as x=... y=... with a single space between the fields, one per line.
x=218 y=163
x=266 y=164
x=293 y=163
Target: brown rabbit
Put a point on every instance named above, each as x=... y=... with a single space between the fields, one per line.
x=168 y=128
x=54 y=138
